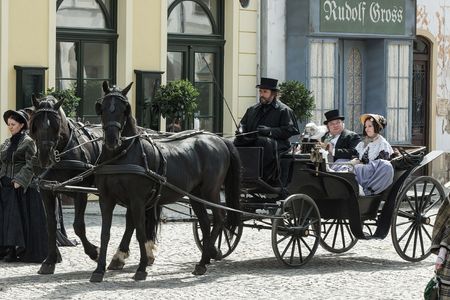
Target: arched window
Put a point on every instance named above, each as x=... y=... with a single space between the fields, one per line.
x=85 y=49
x=195 y=52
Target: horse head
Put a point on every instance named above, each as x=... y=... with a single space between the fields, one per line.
x=45 y=127
x=115 y=111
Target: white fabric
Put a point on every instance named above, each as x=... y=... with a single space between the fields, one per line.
x=375 y=147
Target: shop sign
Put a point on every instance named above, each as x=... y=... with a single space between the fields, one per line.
x=385 y=17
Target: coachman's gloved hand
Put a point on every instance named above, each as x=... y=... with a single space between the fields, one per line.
x=264 y=130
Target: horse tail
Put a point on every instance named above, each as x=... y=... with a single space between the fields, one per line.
x=152 y=220
x=233 y=184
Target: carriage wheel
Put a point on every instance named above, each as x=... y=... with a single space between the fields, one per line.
x=227 y=240
x=337 y=237
x=295 y=237
x=414 y=217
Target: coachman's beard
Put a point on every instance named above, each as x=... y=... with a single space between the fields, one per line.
x=264 y=101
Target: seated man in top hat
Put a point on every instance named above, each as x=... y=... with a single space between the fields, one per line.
x=272 y=123
x=339 y=141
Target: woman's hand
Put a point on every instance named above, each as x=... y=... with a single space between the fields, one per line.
x=440 y=260
x=355 y=161
x=16 y=185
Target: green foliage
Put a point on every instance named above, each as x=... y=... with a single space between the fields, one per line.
x=177 y=99
x=71 y=101
x=295 y=95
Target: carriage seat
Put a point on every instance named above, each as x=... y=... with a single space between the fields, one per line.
x=252 y=174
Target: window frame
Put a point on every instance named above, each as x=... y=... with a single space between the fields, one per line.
x=189 y=44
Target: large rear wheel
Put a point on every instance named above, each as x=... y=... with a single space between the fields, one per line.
x=295 y=236
x=414 y=217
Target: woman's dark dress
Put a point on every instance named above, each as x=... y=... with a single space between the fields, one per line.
x=22 y=214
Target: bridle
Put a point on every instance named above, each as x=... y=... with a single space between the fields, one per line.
x=47 y=142
x=115 y=94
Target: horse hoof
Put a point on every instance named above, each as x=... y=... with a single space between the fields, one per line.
x=47 y=269
x=116 y=264
x=140 y=275
x=96 y=277
x=150 y=261
x=199 y=270
x=219 y=255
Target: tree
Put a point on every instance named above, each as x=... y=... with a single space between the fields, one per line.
x=71 y=101
x=176 y=101
x=295 y=95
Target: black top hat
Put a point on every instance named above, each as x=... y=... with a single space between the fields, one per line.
x=332 y=115
x=268 y=83
x=20 y=116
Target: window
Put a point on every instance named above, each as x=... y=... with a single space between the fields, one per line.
x=85 y=49
x=322 y=77
x=398 y=93
x=195 y=53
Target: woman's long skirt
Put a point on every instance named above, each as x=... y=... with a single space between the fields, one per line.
x=23 y=222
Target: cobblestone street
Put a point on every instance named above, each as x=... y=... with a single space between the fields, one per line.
x=372 y=269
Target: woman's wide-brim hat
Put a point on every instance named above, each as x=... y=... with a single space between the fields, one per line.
x=381 y=121
x=21 y=115
x=333 y=115
x=268 y=83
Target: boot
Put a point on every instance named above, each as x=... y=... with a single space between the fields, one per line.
x=11 y=256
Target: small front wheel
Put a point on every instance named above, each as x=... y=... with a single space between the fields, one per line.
x=296 y=234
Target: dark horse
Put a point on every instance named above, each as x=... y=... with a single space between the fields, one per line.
x=66 y=149
x=198 y=163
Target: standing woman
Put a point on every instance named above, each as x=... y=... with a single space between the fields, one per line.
x=23 y=229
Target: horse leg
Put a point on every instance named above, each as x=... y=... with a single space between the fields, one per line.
x=106 y=207
x=203 y=220
x=80 y=201
x=152 y=217
x=48 y=265
x=138 y=212
x=123 y=252
x=218 y=221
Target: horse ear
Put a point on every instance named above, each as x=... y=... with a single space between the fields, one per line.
x=58 y=104
x=35 y=101
x=98 y=108
x=127 y=89
x=105 y=87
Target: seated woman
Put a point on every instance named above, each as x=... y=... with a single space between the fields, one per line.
x=373 y=170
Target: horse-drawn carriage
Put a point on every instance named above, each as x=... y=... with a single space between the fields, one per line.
x=324 y=207
x=314 y=207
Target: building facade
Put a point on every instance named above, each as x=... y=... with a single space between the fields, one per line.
x=77 y=44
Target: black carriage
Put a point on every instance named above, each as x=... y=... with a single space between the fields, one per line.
x=318 y=206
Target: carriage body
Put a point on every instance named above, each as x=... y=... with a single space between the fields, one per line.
x=406 y=207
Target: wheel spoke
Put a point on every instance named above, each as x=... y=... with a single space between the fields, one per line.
x=409 y=238
x=329 y=229
x=287 y=246
x=341 y=227
x=406 y=232
x=335 y=234
x=306 y=245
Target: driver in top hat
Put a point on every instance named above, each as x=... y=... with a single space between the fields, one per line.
x=272 y=122
x=339 y=141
